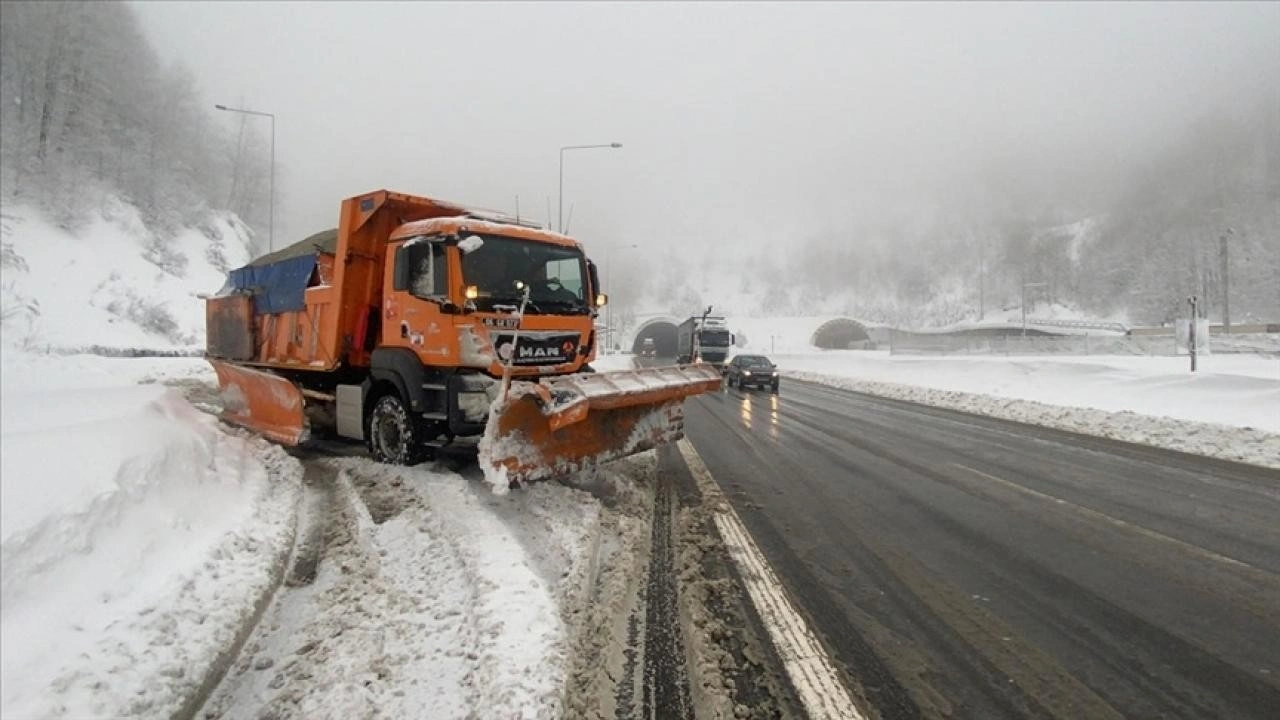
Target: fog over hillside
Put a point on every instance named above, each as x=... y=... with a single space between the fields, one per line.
x=911 y=163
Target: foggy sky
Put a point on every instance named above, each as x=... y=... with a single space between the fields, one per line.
x=741 y=123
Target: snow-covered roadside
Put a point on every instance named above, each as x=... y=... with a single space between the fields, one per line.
x=435 y=598
x=139 y=536
x=1231 y=411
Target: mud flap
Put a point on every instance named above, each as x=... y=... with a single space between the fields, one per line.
x=562 y=425
x=261 y=401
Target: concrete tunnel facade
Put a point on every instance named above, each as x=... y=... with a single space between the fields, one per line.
x=840 y=333
x=825 y=333
x=663 y=332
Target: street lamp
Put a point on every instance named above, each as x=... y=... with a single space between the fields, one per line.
x=271 y=222
x=560 y=214
x=608 y=283
x=1024 y=303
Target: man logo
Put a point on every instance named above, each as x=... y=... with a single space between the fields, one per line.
x=537 y=352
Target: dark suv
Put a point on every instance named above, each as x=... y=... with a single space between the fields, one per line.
x=748 y=370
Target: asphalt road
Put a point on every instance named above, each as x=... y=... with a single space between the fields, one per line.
x=959 y=566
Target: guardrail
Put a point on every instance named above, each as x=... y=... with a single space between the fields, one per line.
x=1080 y=324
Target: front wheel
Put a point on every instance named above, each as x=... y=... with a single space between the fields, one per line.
x=395 y=436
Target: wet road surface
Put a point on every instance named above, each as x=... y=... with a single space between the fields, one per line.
x=960 y=566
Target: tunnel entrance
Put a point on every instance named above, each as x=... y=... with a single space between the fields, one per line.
x=664 y=338
x=840 y=334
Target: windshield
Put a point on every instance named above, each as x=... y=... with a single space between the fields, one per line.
x=553 y=273
x=715 y=338
x=755 y=361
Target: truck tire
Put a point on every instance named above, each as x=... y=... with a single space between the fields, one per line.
x=395 y=436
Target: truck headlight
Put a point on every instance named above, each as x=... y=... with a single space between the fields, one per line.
x=746 y=373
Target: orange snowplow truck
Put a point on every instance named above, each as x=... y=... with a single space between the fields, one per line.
x=418 y=321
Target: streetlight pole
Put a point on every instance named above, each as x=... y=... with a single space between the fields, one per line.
x=271 y=221
x=560 y=214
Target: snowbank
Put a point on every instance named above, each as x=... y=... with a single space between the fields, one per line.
x=1231 y=409
x=1242 y=391
x=111 y=283
x=137 y=538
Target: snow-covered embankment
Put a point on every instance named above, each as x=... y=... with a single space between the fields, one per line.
x=1230 y=409
x=139 y=539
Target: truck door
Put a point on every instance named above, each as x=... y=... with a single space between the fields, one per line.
x=419 y=285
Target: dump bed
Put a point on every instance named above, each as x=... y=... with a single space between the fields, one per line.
x=316 y=304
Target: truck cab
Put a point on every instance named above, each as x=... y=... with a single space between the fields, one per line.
x=451 y=305
x=703 y=339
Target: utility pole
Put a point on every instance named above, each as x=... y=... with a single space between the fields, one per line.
x=982 y=287
x=1225 y=258
x=1026 y=285
x=982 y=279
x=1191 y=332
x=608 y=283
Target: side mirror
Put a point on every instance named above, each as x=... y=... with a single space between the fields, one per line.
x=470 y=244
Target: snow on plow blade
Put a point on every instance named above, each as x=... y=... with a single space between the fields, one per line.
x=261 y=401
x=561 y=425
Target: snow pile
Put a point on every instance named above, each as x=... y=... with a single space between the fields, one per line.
x=111 y=283
x=138 y=538
x=1227 y=410
x=434 y=599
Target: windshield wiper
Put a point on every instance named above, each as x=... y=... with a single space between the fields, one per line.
x=575 y=306
x=515 y=301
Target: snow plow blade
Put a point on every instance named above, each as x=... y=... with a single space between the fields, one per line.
x=261 y=401
x=561 y=425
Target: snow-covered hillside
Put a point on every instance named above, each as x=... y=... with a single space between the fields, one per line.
x=112 y=283
x=740 y=287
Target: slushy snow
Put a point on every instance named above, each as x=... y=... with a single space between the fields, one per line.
x=435 y=599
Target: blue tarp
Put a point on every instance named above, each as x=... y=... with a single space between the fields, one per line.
x=277 y=287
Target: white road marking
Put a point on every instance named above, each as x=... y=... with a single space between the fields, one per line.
x=1098 y=515
x=810 y=669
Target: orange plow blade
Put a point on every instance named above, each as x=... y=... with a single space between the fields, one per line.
x=562 y=425
x=261 y=401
